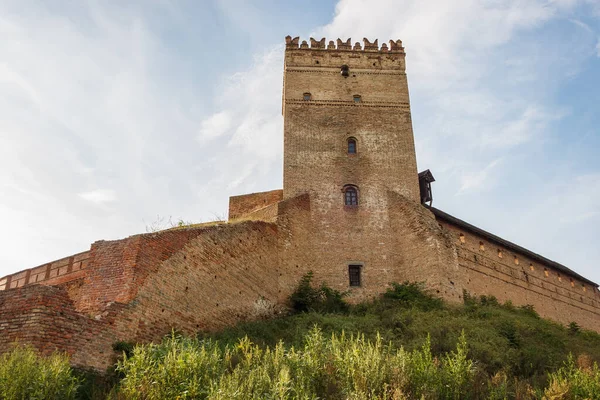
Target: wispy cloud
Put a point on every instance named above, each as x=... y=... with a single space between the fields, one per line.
x=99 y=196
x=248 y=121
x=214 y=126
x=476 y=180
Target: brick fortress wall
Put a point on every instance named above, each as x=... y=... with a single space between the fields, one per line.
x=490 y=268
x=140 y=288
x=53 y=273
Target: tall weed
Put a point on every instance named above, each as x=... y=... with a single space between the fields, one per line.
x=25 y=375
x=571 y=382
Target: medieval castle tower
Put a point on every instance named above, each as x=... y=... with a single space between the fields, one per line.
x=353 y=210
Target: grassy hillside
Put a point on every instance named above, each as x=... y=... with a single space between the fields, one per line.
x=404 y=345
x=501 y=337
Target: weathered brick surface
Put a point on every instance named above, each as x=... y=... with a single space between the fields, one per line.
x=44 y=316
x=517 y=278
x=140 y=288
x=241 y=206
x=53 y=273
x=316 y=131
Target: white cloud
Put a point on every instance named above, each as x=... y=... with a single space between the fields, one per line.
x=99 y=196
x=215 y=126
x=476 y=180
x=252 y=132
x=85 y=106
x=598 y=47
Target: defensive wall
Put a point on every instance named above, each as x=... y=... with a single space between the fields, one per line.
x=140 y=288
x=493 y=266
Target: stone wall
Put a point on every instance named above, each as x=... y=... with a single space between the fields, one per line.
x=222 y=276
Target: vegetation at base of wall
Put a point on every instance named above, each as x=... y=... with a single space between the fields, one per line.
x=25 y=375
x=321 y=299
x=335 y=367
x=403 y=344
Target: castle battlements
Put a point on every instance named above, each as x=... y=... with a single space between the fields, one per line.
x=340 y=45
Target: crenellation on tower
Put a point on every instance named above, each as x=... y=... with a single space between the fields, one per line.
x=314 y=44
x=367 y=46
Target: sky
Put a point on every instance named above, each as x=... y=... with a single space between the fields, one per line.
x=119 y=117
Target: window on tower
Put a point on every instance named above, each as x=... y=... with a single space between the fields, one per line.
x=351 y=146
x=357 y=98
x=354 y=274
x=350 y=195
x=307 y=96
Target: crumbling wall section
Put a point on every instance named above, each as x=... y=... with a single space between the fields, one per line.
x=44 y=317
x=140 y=288
x=241 y=206
x=225 y=275
x=425 y=252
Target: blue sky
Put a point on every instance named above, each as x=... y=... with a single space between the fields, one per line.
x=115 y=116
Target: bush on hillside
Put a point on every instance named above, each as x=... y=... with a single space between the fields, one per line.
x=412 y=294
x=322 y=299
x=24 y=375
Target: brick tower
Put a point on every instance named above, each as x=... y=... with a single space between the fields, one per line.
x=347 y=121
x=348 y=144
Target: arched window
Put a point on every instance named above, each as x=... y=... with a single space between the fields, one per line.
x=357 y=98
x=307 y=96
x=351 y=146
x=350 y=195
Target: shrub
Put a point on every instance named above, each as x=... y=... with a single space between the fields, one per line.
x=123 y=347
x=412 y=294
x=528 y=309
x=574 y=328
x=179 y=367
x=24 y=374
x=571 y=382
x=323 y=299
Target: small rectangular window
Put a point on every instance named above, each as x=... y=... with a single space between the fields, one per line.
x=354 y=274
